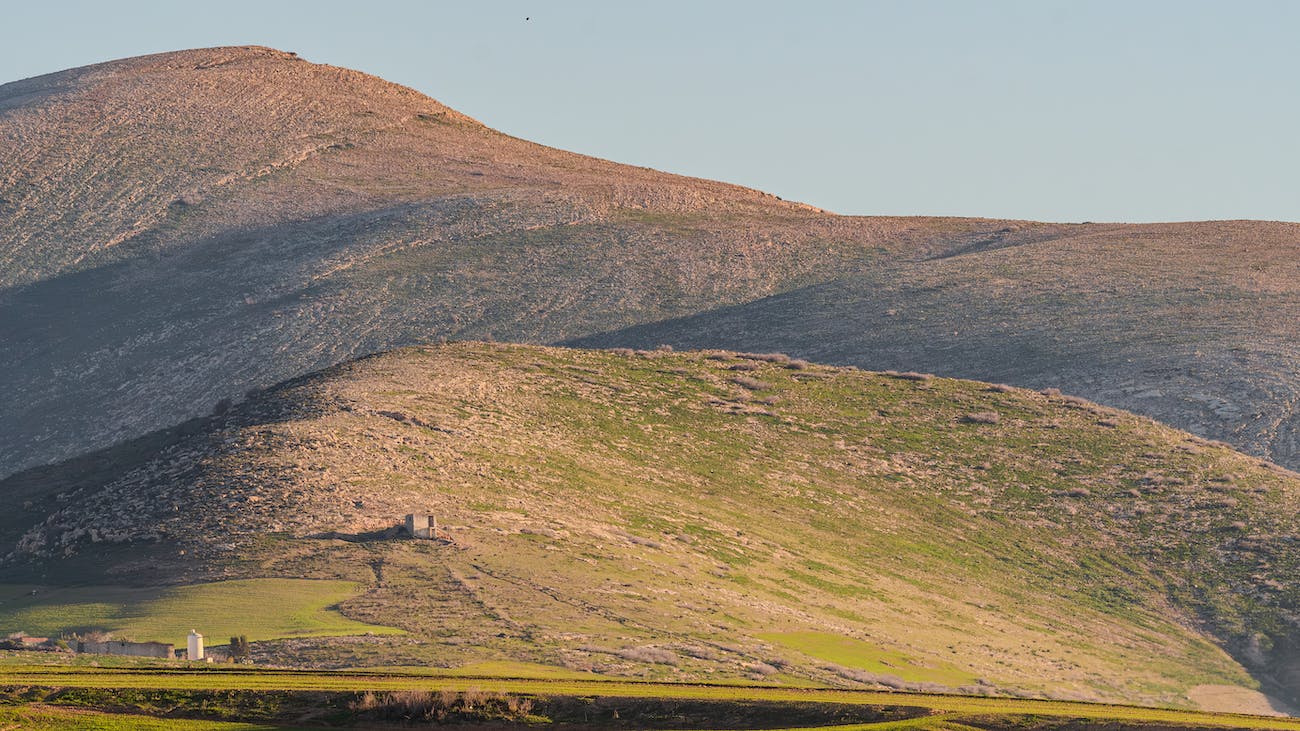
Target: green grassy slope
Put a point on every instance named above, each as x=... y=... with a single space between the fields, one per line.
x=260 y=609
x=712 y=515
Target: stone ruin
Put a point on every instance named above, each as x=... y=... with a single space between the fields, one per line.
x=420 y=525
x=130 y=649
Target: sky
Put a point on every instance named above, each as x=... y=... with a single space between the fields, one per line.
x=1140 y=110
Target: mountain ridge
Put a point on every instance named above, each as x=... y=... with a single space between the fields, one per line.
x=397 y=229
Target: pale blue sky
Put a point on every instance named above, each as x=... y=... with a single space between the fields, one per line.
x=1069 y=111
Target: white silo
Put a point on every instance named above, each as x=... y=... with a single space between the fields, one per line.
x=195 y=645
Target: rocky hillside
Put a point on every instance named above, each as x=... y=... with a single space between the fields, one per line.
x=178 y=229
x=709 y=514
x=1194 y=324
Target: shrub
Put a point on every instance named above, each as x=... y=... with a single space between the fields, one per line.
x=639 y=540
x=518 y=707
x=656 y=655
x=767 y=357
x=700 y=652
x=910 y=375
x=418 y=706
x=239 y=648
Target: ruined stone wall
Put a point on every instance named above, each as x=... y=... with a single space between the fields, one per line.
x=133 y=649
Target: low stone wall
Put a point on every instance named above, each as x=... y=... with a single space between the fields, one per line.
x=134 y=649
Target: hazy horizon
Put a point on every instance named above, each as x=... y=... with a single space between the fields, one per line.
x=1105 y=111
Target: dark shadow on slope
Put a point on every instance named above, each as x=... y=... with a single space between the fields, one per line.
x=33 y=493
x=38 y=491
x=373 y=536
x=97 y=356
x=1001 y=239
x=1175 y=354
x=89 y=357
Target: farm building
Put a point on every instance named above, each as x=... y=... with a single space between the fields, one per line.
x=420 y=525
x=122 y=647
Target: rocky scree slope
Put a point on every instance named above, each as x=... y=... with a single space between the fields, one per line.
x=178 y=229
x=831 y=524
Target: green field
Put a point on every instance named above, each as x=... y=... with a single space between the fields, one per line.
x=853 y=653
x=48 y=718
x=261 y=609
x=943 y=711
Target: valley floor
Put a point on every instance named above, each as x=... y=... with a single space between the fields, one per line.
x=244 y=698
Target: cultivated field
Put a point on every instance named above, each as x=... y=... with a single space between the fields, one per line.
x=227 y=692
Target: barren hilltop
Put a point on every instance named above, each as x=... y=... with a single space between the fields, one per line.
x=178 y=229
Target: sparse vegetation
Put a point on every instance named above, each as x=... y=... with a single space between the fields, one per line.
x=446 y=706
x=910 y=375
x=605 y=500
x=657 y=655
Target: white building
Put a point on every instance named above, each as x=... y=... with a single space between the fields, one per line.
x=195 y=647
